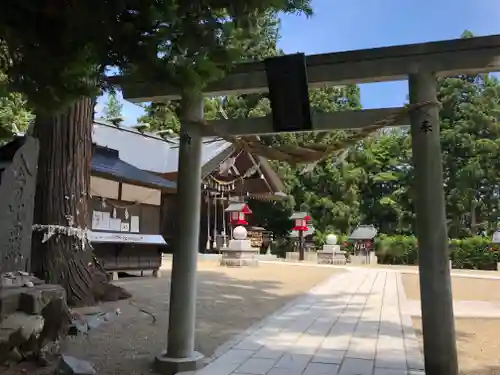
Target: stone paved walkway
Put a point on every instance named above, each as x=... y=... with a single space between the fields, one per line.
x=350 y=325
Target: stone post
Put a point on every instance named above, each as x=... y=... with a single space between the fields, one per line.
x=180 y=354
x=440 y=350
x=301 y=245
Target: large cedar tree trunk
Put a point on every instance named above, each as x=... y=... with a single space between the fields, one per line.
x=61 y=200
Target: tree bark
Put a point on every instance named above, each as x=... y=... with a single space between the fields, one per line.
x=61 y=201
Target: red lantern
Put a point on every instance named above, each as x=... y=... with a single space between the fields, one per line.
x=237 y=213
x=300 y=221
x=237 y=218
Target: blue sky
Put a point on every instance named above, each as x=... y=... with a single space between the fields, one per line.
x=357 y=24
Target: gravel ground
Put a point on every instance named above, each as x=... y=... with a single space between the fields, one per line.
x=229 y=301
x=478 y=339
x=464 y=288
x=478 y=345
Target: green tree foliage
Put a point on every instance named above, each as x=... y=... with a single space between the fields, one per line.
x=274 y=216
x=203 y=41
x=471 y=146
x=185 y=43
x=58 y=52
x=14 y=113
x=113 y=107
x=163 y=117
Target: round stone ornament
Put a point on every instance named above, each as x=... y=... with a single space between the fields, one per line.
x=331 y=239
x=240 y=233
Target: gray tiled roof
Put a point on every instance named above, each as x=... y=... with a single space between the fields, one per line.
x=234 y=207
x=298 y=215
x=148 y=151
x=363 y=232
x=106 y=162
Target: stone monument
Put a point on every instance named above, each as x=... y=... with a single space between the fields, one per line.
x=331 y=253
x=239 y=251
x=16 y=207
x=33 y=315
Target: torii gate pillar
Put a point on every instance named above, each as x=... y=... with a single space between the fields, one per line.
x=440 y=349
x=180 y=355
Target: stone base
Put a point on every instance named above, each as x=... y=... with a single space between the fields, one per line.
x=238 y=245
x=267 y=257
x=363 y=259
x=331 y=248
x=239 y=258
x=30 y=313
x=308 y=256
x=169 y=366
x=327 y=257
x=209 y=257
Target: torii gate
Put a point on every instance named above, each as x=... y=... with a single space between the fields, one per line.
x=420 y=64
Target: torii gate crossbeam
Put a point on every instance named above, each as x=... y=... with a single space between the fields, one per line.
x=444 y=58
x=420 y=64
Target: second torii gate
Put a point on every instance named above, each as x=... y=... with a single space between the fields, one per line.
x=420 y=64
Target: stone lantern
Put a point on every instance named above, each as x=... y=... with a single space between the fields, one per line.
x=239 y=252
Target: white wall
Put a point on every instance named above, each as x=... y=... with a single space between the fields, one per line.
x=101 y=187
x=132 y=193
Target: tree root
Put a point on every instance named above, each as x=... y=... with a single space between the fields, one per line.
x=102 y=289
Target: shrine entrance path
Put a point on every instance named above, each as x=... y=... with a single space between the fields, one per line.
x=350 y=325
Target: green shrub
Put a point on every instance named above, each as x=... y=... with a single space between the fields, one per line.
x=468 y=253
x=281 y=247
x=396 y=249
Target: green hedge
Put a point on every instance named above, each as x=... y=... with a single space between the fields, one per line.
x=468 y=253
